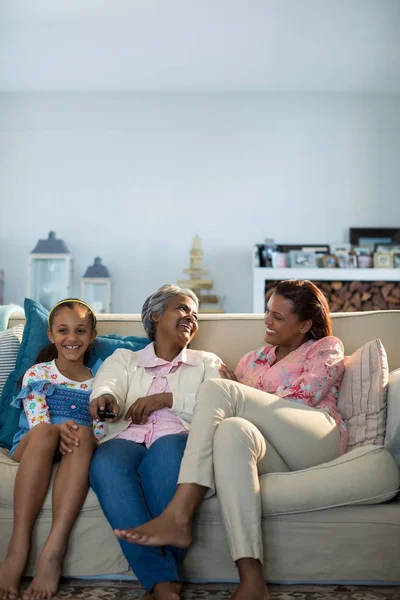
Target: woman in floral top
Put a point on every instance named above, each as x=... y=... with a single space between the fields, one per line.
x=276 y=412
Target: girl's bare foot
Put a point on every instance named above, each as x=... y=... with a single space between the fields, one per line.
x=166 y=530
x=44 y=585
x=167 y=590
x=11 y=570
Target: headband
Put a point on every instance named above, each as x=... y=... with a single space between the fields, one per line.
x=72 y=300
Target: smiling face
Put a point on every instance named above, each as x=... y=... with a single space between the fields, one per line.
x=71 y=332
x=283 y=325
x=178 y=323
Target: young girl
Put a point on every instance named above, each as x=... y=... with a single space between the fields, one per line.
x=55 y=426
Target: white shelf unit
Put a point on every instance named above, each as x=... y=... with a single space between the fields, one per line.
x=263 y=274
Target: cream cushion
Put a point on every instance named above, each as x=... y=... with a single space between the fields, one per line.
x=392 y=439
x=10 y=341
x=362 y=394
x=8 y=473
x=366 y=475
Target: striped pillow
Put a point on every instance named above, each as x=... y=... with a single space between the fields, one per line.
x=362 y=394
x=10 y=341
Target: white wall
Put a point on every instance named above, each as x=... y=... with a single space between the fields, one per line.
x=133 y=178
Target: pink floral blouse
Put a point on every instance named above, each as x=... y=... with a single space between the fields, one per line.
x=310 y=375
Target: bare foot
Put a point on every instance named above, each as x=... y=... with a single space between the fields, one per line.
x=11 y=570
x=166 y=530
x=167 y=590
x=251 y=591
x=44 y=585
x=147 y=596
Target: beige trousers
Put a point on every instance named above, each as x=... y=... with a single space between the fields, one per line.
x=239 y=433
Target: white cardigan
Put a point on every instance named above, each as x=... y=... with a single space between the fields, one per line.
x=121 y=377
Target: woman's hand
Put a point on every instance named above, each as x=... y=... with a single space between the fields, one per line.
x=67 y=438
x=105 y=402
x=140 y=410
x=226 y=373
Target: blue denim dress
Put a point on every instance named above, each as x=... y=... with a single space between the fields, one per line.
x=64 y=403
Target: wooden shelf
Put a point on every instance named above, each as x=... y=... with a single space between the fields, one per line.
x=263 y=274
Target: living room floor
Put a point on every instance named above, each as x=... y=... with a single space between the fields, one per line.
x=71 y=589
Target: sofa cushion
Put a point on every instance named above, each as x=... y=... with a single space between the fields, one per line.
x=392 y=438
x=362 y=394
x=366 y=475
x=8 y=471
x=33 y=340
x=344 y=481
x=9 y=353
x=10 y=341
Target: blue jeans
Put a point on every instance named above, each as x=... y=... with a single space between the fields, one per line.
x=134 y=484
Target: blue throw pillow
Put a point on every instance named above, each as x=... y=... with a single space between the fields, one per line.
x=33 y=340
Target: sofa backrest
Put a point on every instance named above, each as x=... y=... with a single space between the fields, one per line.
x=232 y=335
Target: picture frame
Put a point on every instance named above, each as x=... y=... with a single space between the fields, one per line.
x=352 y=262
x=363 y=251
x=364 y=261
x=318 y=248
x=396 y=259
x=340 y=248
x=347 y=260
x=286 y=248
x=383 y=260
x=387 y=248
x=370 y=236
x=299 y=259
x=280 y=260
x=329 y=261
x=364 y=257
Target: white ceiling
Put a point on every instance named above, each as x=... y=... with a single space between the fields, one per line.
x=200 y=45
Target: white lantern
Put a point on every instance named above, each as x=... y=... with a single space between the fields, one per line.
x=49 y=271
x=96 y=287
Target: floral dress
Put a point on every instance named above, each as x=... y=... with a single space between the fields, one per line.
x=47 y=396
x=310 y=375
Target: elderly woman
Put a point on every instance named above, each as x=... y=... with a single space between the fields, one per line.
x=276 y=412
x=152 y=393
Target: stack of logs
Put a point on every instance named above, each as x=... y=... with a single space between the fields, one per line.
x=353 y=296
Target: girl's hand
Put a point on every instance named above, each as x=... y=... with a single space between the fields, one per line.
x=226 y=373
x=67 y=438
x=142 y=407
x=101 y=403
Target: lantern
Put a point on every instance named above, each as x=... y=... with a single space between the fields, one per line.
x=96 y=287
x=49 y=271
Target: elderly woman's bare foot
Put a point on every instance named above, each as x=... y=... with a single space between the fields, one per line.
x=251 y=591
x=252 y=583
x=168 y=529
x=11 y=570
x=44 y=585
x=167 y=590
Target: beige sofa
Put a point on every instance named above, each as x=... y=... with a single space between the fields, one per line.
x=312 y=531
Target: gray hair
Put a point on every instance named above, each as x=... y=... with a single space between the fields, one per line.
x=157 y=302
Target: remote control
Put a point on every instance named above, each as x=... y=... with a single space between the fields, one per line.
x=106 y=414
